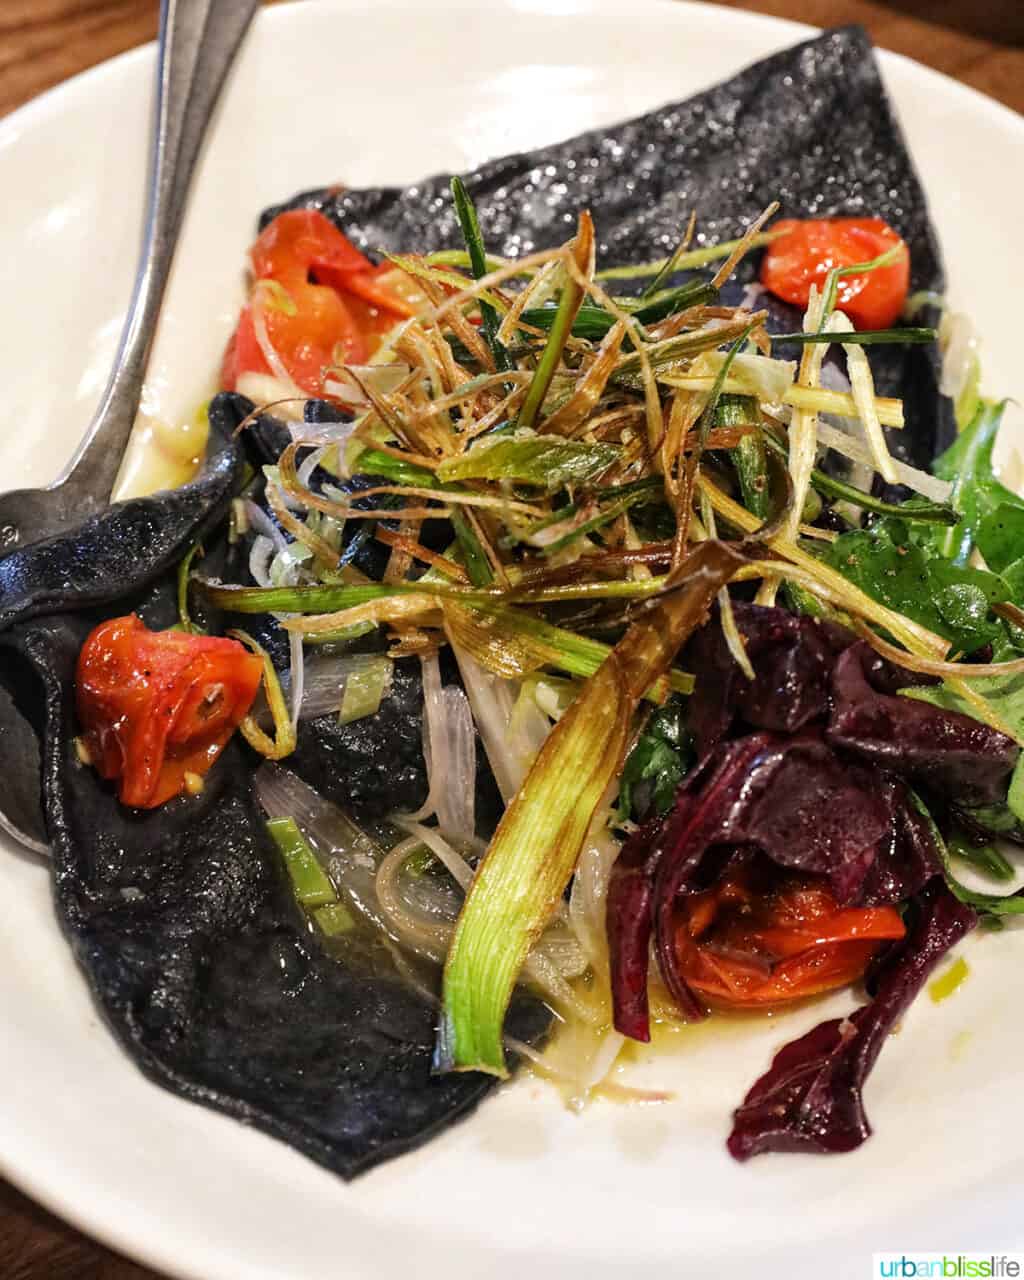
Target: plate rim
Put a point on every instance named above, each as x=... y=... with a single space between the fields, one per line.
x=56 y=100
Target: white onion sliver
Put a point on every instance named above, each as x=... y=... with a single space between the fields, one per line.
x=454 y=862
x=262 y=523
x=853 y=447
x=309 y=465
x=260 y=554
x=959 y=352
x=449 y=749
x=456 y=794
x=332 y=833
x=492 y=699
x=259 y=327
x=434 y=740
x=297 y=670
x=321 y=432
x=589 y=894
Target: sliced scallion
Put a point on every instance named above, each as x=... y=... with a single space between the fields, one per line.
x=334 y=919
x=365 y=689
x=466 y=212
x=865 y=337
x=524 y=873
x=310 y=882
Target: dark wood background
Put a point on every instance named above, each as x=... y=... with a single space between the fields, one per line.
x=980 y=42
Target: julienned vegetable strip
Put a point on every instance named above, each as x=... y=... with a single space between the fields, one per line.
x=311 y=885
x=915 y=638
x=921 y=513
x=535 y=848
x=582 y=249
x=866 y=338
x=470 y=224
x=550 y=645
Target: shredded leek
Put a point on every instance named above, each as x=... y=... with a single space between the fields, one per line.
x=546 y=462
x=582 y=249
x=309 y=880
x=365 y=689
x=523 y=875
x=470 y=224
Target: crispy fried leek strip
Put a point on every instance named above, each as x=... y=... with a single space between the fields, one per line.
x=575 y=413
x=581 y=252
x=283 y=742
x=512 y=643
x=465 y=209
x=521 y=878
x=911 y=635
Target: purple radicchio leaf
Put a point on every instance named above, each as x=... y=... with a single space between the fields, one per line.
x=792 y=659
x=629 y=924
x=810 y=1099
x=790 y=797
x=961 y=758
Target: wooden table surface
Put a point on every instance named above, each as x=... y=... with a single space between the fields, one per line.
x=980 y=42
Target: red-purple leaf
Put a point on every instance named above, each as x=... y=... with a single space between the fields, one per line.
x=811 y=1099
x=960 y=757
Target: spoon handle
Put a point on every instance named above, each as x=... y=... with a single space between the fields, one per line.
x=197 y=45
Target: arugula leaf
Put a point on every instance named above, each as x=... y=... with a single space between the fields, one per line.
x=657 y=764
x=987 y=904
x=977 y=491
x=1000 y=535
x=897 y=565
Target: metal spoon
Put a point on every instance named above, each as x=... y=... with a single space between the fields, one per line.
x=197 y=44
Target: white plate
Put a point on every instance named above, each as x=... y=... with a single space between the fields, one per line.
x=387 y=91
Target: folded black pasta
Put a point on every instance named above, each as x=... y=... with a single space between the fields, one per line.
x=811 y=127
x=181 y=917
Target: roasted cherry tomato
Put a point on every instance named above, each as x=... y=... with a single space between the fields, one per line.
x=154 y=706
x=329 y=306
x=743 y=945
x=807 y=251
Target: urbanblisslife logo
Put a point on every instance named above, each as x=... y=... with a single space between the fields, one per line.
x=950 y=1266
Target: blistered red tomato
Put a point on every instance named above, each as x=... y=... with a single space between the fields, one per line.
x=806 y=251
x=330 y=306
x=154 y=706
x=743 y=946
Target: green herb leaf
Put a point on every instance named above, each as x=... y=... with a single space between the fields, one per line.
x=864 y=337
x=659 y=761
x=546 y=462
x=900 y=571
x=1005 y=694
x=977 y=491
x=993 y=904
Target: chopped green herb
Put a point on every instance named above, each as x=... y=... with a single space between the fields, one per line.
x=659 y=761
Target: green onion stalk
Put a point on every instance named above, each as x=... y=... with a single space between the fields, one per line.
x=524 y=872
